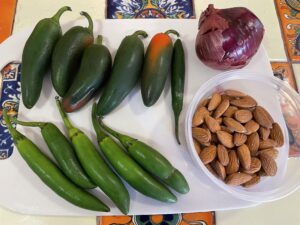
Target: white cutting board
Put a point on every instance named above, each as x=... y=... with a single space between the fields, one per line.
x=22 y=190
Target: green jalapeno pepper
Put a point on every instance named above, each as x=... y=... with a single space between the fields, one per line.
x=50 y=174
x=36 y=56
x=95 y=166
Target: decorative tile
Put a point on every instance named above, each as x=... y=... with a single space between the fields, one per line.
x=200 y=218
x=7 y=15
x=284 y=71
x=128 y=9
x=289 y=17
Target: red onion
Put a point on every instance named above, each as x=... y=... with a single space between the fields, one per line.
x=228 y=38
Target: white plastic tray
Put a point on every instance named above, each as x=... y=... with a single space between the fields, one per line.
x=22 y=190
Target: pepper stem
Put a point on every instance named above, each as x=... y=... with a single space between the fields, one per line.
x=28 y=124
x=57 y=15
x=86 y=15
x=140 y=33
x=100 y=134
x=63 y=115
x=99 y=40
x=13 y=132
x=172 y=32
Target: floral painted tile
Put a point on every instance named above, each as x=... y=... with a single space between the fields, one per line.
x=289 y=17
x=284 y=71
x=128 y=9
x=7 y=15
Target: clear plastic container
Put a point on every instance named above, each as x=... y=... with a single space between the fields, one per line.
x=274 y=95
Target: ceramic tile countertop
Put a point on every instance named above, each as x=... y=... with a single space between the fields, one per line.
x=285 y=211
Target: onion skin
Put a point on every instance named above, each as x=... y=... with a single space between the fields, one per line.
x=228 y=38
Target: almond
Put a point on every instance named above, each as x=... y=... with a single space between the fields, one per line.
x=222 y=155
x=214 y=138
x=225 y=138
x=243 y=115
x=230 y=111
x=262 y=173
x=204 y=102
x=201 y=135
x=277 y=135
x=235 y=93
x=269 y=151
x=264 y=133
x=220 y=110
x=208 y=154
x=214 y=102
x=254 y=180
x=253 y=143
x=255 y=166
x=268 y=164
x=239 y=139
x=234 y=125
x=219 y=120
x=226 y=97
x=244 y=156
x=219 y=169
x=197 y=146
x=269 y=143
x=233 y=164
x=236 y=179
x=199 y=116
x=251 y=127
x=244 y=102
x=262 y=117
x=211 y=170
x=212 y=124
x=226 y=129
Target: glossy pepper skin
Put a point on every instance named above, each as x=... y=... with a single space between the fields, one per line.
x=95 y=166
x=125 y=73
x=94 y=69
x=151 y=160
x=156 y=67
x=177 y=83
x=50 y=174
x=63 y=153
x=67 y=55
x=36 y=56
x=128 y=169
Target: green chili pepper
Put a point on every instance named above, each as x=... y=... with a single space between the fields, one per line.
x=50 y=174
x=67 y=55
x=128 y=169
x=151 y=160
x=36 y=56
x=177 y=82
x=63 y=152
x=95 y=166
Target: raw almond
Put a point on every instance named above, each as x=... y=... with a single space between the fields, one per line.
x=211 y=170
x=233 y=164
x=234 y=93
x=197 y=146
x=222 y=155
x=243 y=115
x=214 y=102
x=226 y=97
x=236 y=179
x=269 y=151
x=225 y=138
x=253 y=143
x=254 y=180
x=204 y=102
x=262 y=117
x=269 y=143
x=262 y=173
x=219 y=169
x=234 y=125
x=244 y=102
x=251 y=127
x=230 y=111
x=277 y=135
x=268 y=164
x=244 y=156
x=220 y=120
x=208 y=154
x=226 y=129
x=201 y=135
x=212 y=124
x=255 y=166
x=264 y=133
x=221 y=108
x=239 y=139
x=199 y=116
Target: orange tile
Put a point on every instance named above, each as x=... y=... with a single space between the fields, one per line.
x=7 y=15
x=289 y=16
x=284 y=71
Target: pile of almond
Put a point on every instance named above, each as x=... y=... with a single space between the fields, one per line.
x=236 y=138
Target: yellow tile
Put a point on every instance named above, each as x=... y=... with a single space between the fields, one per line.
x=265 y=10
